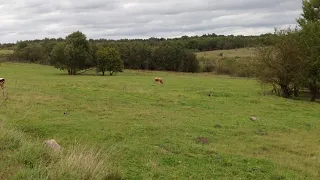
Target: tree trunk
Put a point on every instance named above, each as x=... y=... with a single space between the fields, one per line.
x=111 y=73
x=295 y=91
x=73 y=72
x=313 y=97
x=102 y=73
x=314 y=92
x=285 y=91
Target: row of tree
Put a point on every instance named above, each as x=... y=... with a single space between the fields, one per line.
x=206 y=42
x=76 y=53
x=293 y=62
x=172 y=54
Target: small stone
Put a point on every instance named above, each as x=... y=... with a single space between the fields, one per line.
x=252 y=118
x=53 y=144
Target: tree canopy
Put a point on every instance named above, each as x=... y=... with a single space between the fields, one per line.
x=109 y=59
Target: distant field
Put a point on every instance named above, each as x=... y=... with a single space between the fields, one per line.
x=243 y=52
x=194 y=126
x=5 y=51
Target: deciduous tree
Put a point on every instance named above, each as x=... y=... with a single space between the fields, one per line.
x=280 y=65
x=73 y=54
x=310 y=12
x=109 y=59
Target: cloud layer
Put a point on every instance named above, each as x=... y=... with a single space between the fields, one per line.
x=116 y=19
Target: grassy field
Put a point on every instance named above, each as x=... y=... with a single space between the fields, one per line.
x=235 y=62
x=194 y=126
x=242 y=52
x=5 y=51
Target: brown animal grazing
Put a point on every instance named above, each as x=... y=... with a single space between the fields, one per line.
x=158 y=80
x=2 y=81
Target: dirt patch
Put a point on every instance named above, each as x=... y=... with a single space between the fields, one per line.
x=202 y=140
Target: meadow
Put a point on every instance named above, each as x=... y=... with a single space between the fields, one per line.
x=241 y=52
x=5 y=51
x=194 y=126
x=234 y=62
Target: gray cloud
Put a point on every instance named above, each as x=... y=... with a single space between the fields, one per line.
x=115 y=19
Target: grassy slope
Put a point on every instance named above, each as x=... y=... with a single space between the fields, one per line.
x=153 y=128
x=242 y=52
x=5 y=51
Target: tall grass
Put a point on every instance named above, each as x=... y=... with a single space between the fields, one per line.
x=25 y=158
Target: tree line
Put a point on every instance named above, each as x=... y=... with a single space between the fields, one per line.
x=176 y=54
x=292 y=63
x=206 y=42
x=75 y=53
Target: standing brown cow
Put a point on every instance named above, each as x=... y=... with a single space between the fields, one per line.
x=158 y=80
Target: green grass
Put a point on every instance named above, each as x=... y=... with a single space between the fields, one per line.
x=152 y=130
x=242 y=52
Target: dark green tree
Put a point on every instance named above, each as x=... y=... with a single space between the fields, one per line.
x=58 y=57
x=310 y=45
x=77 y=52
x=310 y=12
x=109 y=59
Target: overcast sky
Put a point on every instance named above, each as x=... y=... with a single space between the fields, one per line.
x=115 y=19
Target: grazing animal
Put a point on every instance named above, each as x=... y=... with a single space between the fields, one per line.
x=2 y=81
x=158 y=80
